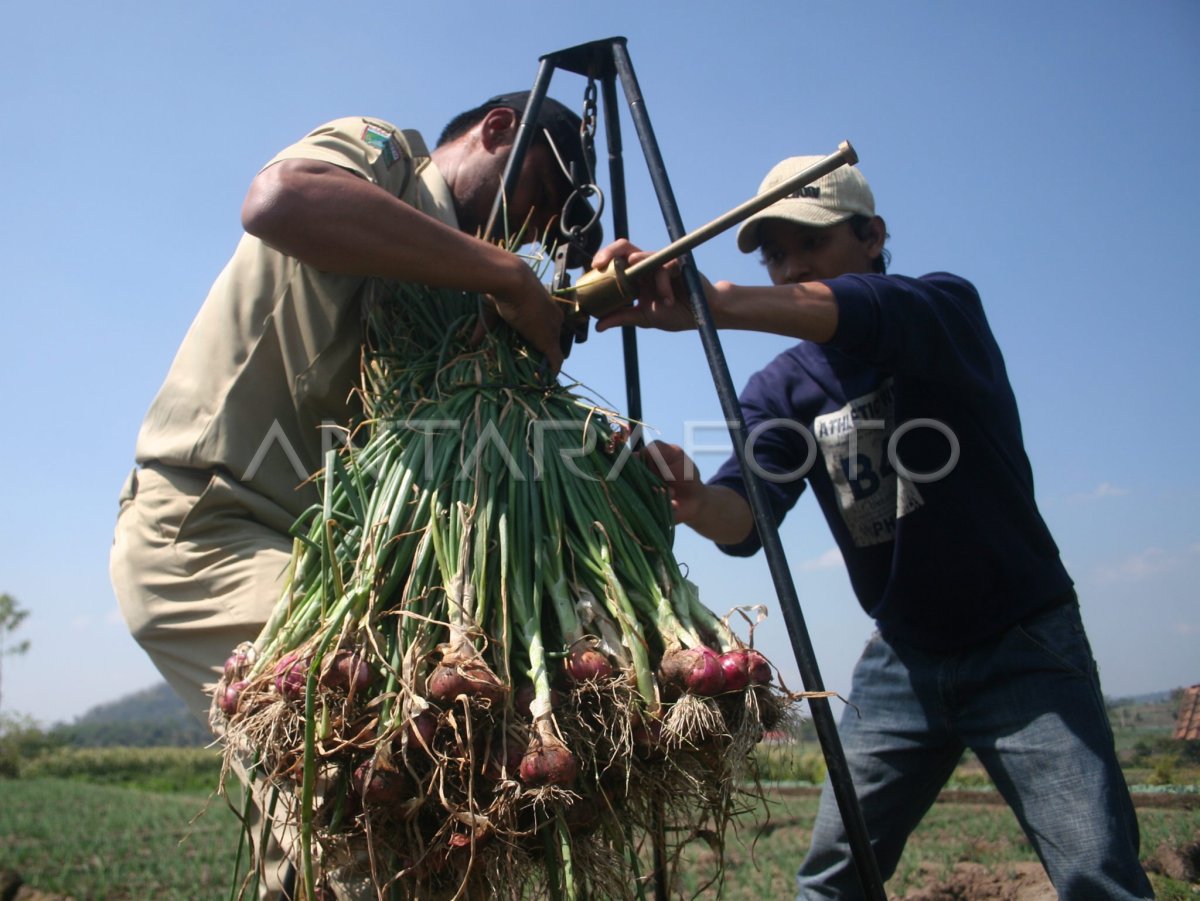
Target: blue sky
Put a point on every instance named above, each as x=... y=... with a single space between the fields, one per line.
x=1047 y=152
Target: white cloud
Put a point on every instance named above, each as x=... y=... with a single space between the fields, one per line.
x=828 y=560
x=1150 y=562
x=1185 y=629
x=1101 y=491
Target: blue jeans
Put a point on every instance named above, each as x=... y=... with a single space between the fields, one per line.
x=1029 y=705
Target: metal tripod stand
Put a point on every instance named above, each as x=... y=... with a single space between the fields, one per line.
x=607 y=61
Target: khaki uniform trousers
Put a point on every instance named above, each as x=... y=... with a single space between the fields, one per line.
x=196 y=572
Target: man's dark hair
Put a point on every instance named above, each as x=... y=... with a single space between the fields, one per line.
x=464 y=122
x=859 y=224
x=560 y=130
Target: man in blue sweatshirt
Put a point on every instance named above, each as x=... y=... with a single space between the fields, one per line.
x=896 y=410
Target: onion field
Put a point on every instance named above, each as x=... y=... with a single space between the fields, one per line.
x=93 y=841
x=111 y=842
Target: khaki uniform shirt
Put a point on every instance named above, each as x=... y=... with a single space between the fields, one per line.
x=272 y=357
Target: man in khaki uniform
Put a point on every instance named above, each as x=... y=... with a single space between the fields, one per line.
x=265 y=373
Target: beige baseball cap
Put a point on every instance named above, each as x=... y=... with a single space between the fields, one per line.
x=831 y=199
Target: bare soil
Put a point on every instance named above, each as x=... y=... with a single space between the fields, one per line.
x=1028 y=882
x=13 y=888
x=975 y=882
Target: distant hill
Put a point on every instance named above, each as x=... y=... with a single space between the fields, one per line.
x=153 y=717
x=1152 y=697
x=156 y=717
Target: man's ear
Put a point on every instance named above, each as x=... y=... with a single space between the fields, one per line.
x=498 y=128
x=875 y=236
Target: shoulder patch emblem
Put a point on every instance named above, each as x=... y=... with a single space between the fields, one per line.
x=385 y=142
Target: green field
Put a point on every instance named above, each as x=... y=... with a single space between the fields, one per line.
x=973 y=827
x=112 y=842
x=109 y=842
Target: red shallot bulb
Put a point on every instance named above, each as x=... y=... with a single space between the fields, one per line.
x=548 y=762
x=348 y=671
x=472 y=679
x=504 y=758
x=230 y=696
x=291 y=676
x=235 y=665
x=758 y=667
x=379 y=785
x=421 y=730
x=586 y=664
x=523 y=699
x=697 y=670
x=735 y=669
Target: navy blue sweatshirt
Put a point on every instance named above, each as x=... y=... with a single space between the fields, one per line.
x=906 y=428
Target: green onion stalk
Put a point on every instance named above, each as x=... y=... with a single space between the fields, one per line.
x=479 y=621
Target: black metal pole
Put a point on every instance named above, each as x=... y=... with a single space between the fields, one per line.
x=616 y=174
x=525 y=131
x=588 y=59
x=789 y=601
x=633 y=384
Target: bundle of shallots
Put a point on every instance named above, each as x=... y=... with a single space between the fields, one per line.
x=487 y=675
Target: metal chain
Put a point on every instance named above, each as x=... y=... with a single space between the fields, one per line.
x=585 y=187
x=587 y=124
